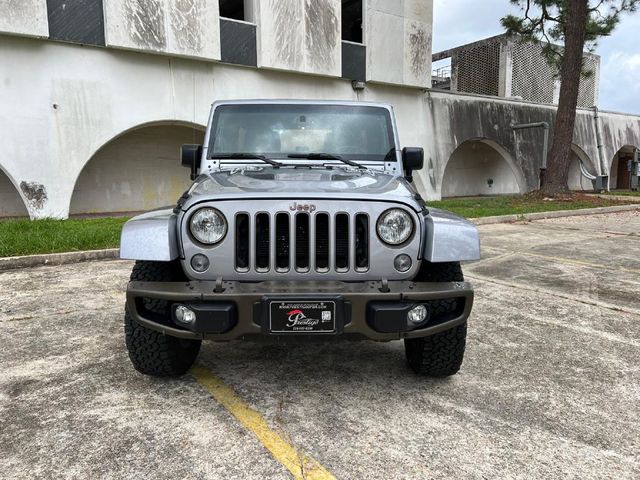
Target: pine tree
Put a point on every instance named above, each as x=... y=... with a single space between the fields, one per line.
x=576 y=25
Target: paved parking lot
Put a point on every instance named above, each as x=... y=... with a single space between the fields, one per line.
x=550 y=386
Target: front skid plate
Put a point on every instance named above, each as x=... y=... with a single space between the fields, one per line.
x=245 y=295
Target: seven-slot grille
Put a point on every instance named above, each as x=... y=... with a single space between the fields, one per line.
x=302 y=241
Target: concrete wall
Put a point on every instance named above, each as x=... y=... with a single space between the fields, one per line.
x=24 y=17
x=90 y=96
x=576 y=180
x=398 y=38
x=188 y=28
x=300 y=35
x=139 y=170
x=613 y=171
x=11 y=203
x=83 y=98
x=452 y=119
x=476 y=168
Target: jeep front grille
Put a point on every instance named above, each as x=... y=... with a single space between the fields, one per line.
x=302 y=241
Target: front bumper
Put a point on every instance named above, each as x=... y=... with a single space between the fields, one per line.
x=361 y=302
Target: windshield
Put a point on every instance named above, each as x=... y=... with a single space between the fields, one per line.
x=277 y=131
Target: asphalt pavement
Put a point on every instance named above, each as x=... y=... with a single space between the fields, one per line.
x=550 y=386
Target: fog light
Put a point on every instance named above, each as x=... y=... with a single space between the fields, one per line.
x=199 y=262
x=184 y=315
x=417 y=314
x=402 y=263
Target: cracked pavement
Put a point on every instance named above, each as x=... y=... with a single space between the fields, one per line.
x=550 y=386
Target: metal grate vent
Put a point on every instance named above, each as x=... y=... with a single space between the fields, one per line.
x=478 y=69
x=533 y=79
x=588 y=92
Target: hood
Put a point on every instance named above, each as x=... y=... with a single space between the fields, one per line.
x=286 y=182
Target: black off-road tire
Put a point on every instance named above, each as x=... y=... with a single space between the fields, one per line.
x=152 y=352
x=440 y=272
x=441 y=354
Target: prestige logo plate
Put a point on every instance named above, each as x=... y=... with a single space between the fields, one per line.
x=302 y=316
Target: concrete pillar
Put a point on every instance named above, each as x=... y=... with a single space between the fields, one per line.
x=189 y=28
x=300 y=35
x=398 y=38
x=454 y=73
x=506 y=69
x=24 y=17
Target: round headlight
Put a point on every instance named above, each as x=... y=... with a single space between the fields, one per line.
x=208 y=225
x=395 y=226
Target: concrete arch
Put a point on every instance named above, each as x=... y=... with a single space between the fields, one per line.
x=576 y=180
x=618 y=173
x=137 y=169
x=12 y=201
x=481 y=166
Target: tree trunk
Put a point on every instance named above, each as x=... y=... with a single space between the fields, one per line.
x=556 y=178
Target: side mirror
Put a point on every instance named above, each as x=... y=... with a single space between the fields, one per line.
x=190 y=156
x=412 y=159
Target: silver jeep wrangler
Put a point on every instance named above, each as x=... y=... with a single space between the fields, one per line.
x=302 y=221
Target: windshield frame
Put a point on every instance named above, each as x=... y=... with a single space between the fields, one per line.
x=384 y=110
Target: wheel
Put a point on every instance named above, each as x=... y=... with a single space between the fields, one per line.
x=151 y=352
x=441 y=354
x=440 y=272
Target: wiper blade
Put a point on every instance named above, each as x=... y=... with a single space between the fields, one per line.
x=247 y=156
x=325 y=156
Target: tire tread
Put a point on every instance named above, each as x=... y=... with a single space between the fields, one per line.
x=152 y=352
x=441 y=354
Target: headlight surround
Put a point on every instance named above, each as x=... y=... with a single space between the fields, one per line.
x=395 y=226
x=208 y=225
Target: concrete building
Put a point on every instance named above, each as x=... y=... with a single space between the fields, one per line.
x=508 y=67
x=98 y=95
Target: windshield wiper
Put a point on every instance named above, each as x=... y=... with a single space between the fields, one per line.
x=247 y=156
x=325 y=156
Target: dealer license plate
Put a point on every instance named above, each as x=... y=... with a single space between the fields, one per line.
x=302 y=316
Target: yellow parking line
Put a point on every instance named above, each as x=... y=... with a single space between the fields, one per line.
x=300 y=465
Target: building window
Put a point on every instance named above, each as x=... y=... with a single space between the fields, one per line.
x=236 y=9
x=352 y=20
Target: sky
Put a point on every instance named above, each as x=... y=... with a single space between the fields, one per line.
x=457 y=22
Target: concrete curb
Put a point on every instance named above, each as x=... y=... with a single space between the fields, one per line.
x=553 y=214
x=8 y=263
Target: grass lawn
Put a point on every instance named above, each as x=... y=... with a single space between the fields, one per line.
x=475 y=207
x=25 y=237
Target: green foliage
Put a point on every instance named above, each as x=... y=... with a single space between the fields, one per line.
x=26 y=237
x=544 y=22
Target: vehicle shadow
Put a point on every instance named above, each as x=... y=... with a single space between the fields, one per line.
x=342 y=364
